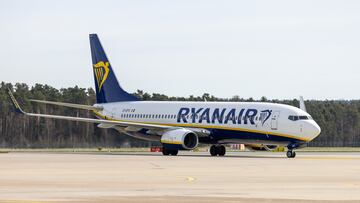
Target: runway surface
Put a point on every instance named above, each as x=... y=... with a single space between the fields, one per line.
x=190 y=177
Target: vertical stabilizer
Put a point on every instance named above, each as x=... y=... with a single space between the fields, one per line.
x=107 y=86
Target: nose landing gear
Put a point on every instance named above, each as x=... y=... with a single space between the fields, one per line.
x=217 y=150
x=291 y=154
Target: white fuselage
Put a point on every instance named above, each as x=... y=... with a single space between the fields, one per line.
x=254 y=121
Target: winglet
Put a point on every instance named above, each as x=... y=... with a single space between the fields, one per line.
x=15 y=103
x=302 y=104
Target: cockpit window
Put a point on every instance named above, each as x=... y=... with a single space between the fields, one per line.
x=295 y=118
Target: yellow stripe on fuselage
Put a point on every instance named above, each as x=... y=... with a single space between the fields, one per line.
x=208 y=127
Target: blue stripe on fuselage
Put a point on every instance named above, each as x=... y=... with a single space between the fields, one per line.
x=243 y=137
x=219 y=135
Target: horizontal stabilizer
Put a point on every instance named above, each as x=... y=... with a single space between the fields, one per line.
x=77 y=106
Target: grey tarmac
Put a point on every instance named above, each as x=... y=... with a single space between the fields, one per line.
x=189 y=177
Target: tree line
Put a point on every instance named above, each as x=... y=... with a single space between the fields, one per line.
x=338 y=119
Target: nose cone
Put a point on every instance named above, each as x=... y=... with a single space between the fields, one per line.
x=314 y=129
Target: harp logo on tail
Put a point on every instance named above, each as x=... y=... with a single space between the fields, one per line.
x=101 y=71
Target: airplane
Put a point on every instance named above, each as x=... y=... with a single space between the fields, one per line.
x=182 y=125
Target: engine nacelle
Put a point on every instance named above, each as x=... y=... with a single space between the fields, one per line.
x=180 y=139
x=261 y=147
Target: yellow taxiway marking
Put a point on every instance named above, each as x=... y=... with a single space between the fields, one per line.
x=190 y=179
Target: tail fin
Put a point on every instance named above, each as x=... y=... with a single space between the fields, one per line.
x=106 y=84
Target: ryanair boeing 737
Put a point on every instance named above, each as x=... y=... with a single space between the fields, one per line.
x=183 y=125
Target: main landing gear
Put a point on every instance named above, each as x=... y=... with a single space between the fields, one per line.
x=217 y=150
x=167 y=152
x=291 y=154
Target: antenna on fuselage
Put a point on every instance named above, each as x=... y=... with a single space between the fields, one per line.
x=302 y=104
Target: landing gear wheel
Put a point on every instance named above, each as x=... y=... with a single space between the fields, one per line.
x=217 y=150
x=174 y=152
x=165 y=152
x=213 y=150
x=290 y=154
x=221 y=150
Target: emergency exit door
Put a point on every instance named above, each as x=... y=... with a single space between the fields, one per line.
x=274 y=120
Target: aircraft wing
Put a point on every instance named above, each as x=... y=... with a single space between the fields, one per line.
x=78 y=106
x=103 y=122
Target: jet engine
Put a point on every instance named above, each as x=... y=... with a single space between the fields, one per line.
x=180 y=139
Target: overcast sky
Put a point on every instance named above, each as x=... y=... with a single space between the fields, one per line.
x=277 y=49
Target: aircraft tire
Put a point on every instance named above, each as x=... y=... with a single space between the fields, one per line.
x=290 y=154
x=221 y=150
x=174 y=152
x=213 y=150
x=165 y=152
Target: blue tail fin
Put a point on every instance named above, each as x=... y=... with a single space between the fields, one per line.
x=106 y=84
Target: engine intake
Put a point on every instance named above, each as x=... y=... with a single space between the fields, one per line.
x=180 y=139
